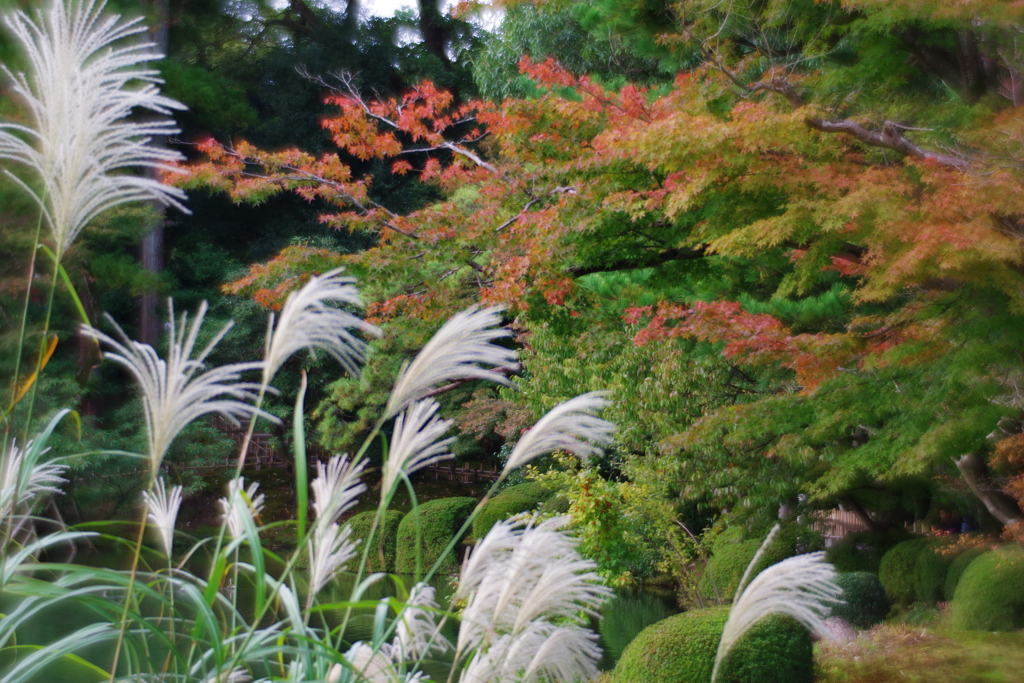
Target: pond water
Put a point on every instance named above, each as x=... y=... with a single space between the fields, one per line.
x=623 y=617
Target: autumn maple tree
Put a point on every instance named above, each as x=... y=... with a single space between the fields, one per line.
x=795 y=260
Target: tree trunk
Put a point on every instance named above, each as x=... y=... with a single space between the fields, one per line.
x=435 y=35
x=1001 y=506
x=151 y=249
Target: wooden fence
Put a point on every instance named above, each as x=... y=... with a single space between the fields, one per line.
x=467 y=473
x=834 y=524
x=261 y=452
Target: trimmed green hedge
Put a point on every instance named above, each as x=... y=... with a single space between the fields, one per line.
x=382 y=556
x=513 y=500
x=990 y=594
x=862 y=551
x=898 y=570
x=930 y=573
x=866 y=603
x=957 y=569
x=439 y=521
x=730 y=556
x=682 y=648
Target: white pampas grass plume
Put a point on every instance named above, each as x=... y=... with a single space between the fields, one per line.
x=802 y=587
x=528 y=592
x=572 y=426
x=241 y=505
x=21 y=480
x=329 y=550
x=163 y=511
x=81 y=91
x=416 y=442
x=462 y=349
x=375 y=666
x=336 y=487
x=307 y=322
x=416 y=634
x=177 y=391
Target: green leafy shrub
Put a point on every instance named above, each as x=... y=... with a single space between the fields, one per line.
x=957 y=569
x=730 y=556
x=513 y=500
x=930 y=573
x=897 y=570
x=862 y=551
x=682 y=648
x=990 y=594
x=439 y=521
x=866 y=603
x=382 y=555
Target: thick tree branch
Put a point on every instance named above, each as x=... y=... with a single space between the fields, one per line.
x=657 y=259
x=974 y=471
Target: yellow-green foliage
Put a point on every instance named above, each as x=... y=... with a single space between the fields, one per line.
x=682 y=648
x=865 y=602
x=513 y=500
x=990 y=594
x=382 y=555
x=897 y=570
x=439 y=521
x=957 y=569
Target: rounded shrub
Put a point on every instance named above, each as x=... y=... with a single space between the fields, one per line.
x=440 y=520
x=730 y=556
x=990 y=594
x=930 y=572
x=862 y=551
x=865 y=602
x=382 y=556
x=513 y=500
x=682 y=648
x=898 y=569
x=957 y=568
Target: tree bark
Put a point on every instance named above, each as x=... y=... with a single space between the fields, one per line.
x=974 y=471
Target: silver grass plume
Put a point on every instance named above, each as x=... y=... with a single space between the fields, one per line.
x=176 y=392
x=336 y=487
x=528 y=592
x=335 y=490
x=374 y=666
x=416 y=442
x=802 y=587
x=417 y=634
x=163 y=511
x=81 y=91
x=306 y=322
x=21 y=480
x=462 y=349
x=572 y=426
x=241 y=505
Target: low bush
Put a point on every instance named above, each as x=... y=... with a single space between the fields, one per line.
x=930 y=572
x=957 y=568
x=682 y=648
x=439 y=521
x=862 y=551
x=382 y=555
x=990 y=594
x=730 y=556
x=866 y=603
x=898 y=570
x=513 y=500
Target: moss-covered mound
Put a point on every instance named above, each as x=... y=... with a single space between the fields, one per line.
x=682 y=648
x=382 y=555
x=730 y=556
x=439 y=521
x=866 y=603
x=862 y=551
x=898 y=570
x=513 y=500
x=990 y=594
x=957 y=568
